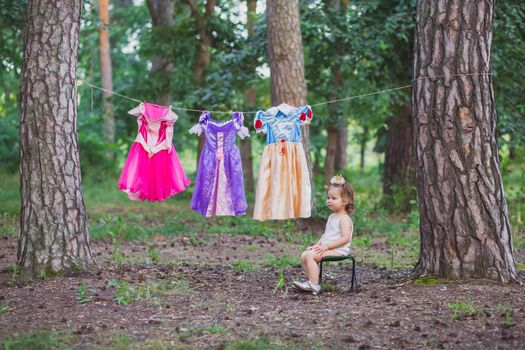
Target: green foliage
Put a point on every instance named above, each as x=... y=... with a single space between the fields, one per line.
x=514 y=180
x=244 y=266
x=116 y=256
x=462 y=309
x=509 y=71
x=150 y=291
x=256 y=344
x=85 y=295
x=187 y=333
x=5 y=307
x=125 y=293
x=38 y=340
x=281 y=261
x=426 y=281
x=402 y=199
x=153 y=253
x=15 y=272
x=281 y=282
x=505 y=314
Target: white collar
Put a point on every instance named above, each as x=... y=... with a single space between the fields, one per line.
x=283 y=107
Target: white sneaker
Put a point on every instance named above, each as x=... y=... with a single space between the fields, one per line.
x=304 y=285
x=307 y=286
x=315 y=288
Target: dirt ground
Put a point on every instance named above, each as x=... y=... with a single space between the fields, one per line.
x=209 y=303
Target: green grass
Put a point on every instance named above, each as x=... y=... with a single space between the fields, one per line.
x=126 y=292
x=428 y=281
x=257 y=344
x=280 y=261
x=5 y=307
x=244 y=266
x=187 y=333
x=462 y=309
x=38 y=340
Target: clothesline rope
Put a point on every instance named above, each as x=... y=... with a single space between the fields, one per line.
x=349 y=98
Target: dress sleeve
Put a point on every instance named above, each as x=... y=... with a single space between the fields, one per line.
x=172 y=116
x=260 y=123
x=238 y=119
x=201 y=125
x=137 y=111
x=304 y=114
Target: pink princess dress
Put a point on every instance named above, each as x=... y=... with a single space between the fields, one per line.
x=153 y=170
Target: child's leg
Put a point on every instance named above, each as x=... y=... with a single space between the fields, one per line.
x=313 y=267
x=303 y=261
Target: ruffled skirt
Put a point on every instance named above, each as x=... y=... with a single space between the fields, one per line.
x=283 y=188
x=153 y=179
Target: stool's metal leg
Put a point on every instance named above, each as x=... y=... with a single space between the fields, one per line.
x=353 y=275
x=321 y=273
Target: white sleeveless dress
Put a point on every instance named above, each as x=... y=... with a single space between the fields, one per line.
x=332 y=233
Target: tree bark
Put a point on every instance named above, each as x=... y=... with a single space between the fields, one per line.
x=364 y=141
x=250 y=97
x=399 y=154
x=341 y=121
x=161 y=12
x=286 y=57
x=53 y=227
x=331 y=147
x=203 y=52
x=464 y=224
x=205 y=41
x=341 y=158
x=105 y=69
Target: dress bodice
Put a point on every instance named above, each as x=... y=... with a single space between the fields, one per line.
x=282 y=123
x=220 y=134
x=155 y=126
x=217 y=133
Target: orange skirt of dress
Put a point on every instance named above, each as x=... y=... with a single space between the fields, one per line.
x=283 y=188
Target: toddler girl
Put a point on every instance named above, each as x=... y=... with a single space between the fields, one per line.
x=337 y=235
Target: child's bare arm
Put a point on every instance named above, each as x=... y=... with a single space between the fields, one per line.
x=317 y=244
x=346 y=226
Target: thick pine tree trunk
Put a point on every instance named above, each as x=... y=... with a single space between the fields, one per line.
x=341 y=158
x=203 y=52
x=464 y=226
x=105 y=68
x=339 y=122
x=285 y=48
x=53 y=228
x=399 y=155
x=250 y=97
x=161 y=12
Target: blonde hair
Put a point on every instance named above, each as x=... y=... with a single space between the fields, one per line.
x=346 y=191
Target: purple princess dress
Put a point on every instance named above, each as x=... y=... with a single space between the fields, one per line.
x=219 y=185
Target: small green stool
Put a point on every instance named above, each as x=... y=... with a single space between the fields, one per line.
x=354 y=287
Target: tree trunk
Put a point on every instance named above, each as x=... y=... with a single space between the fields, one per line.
x=464 y=222
x=285 y=48
x=399 y=154
x=53 y=228
x=341 y=121
x=250 y=97
x=203 y=52
x=331 y=147
x=341 y=158
x=364 y=141
x=105 y=69
x=161 y=12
